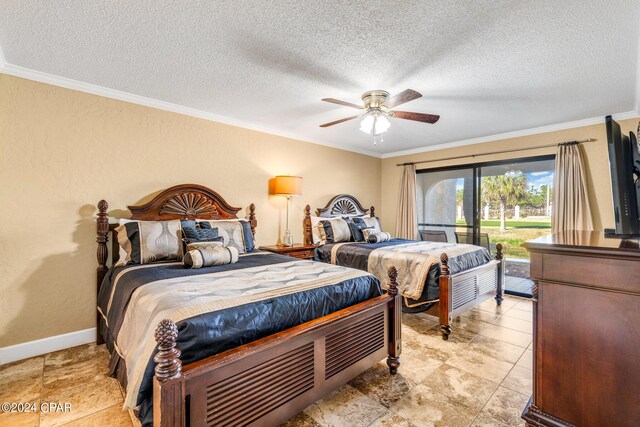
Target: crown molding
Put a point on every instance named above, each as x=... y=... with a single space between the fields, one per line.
x=526 y=132
x=26 y=73
x=51 y=79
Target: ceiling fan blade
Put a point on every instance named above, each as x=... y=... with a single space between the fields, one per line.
x=345 y=103
x=418 y=117
x=402 y=97
x=338 y=121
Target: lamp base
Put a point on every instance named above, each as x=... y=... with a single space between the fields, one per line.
x=287 y=239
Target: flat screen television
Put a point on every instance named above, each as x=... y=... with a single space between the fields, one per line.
x=624 y=162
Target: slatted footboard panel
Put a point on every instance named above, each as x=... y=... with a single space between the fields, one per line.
x=244 y=398
x=472 y=287
x=350 y=344
x=276 y=378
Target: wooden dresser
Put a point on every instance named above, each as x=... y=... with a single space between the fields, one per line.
x=586 y=331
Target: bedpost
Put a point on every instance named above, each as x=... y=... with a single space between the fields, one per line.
x=306 y=226
x=500 y=287
x=102 y=231
x=372 y=212
x=445 y=295
x=395 y=323
x=168 y=384
x=252 y=218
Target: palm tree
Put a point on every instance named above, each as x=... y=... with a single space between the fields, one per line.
x=505 y=189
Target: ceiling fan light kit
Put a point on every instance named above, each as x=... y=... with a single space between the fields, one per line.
x=377 y=105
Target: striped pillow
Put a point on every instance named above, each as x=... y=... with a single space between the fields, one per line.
x=334 y=230
x=199 y=258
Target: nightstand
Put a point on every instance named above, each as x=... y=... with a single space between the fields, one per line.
x=298 y=250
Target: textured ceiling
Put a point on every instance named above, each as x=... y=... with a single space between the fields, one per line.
x=486 y=67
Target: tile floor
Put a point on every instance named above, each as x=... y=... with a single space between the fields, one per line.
x=480 y=377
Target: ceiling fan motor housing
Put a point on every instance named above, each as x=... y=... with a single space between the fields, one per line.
x=374 y=98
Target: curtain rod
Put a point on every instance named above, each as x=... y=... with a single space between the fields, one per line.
x=499 y=152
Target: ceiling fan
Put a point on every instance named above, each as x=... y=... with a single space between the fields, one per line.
x=377 y=106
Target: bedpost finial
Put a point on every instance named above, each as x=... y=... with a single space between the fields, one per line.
x=102 y=237
x=307 y=210
x=168 y=363
x=253 y=223
x=393 y=284
x=498 y=251
x=372 y=211
x=444 y=260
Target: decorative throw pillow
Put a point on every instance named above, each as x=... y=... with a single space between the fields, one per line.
x=122 y=254
x=198 y=258
x=150 y=241
x=193 y=234
x=371 y=236
x=368 y=221
x=356 y=231
x=236 y=233
x=334 y=230
x=217 y=243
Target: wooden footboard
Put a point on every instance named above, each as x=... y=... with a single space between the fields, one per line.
x=463 y=291
x=270 y=380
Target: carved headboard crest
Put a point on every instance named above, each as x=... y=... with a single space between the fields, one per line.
x=189 y=204
x=185 y=201
x=342 y=205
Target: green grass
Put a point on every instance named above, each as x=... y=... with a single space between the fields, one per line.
x=518 y=232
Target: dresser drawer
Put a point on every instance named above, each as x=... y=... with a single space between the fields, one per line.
x=306 y=254
x=610 y=273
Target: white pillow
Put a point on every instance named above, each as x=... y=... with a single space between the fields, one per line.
x=315 y=231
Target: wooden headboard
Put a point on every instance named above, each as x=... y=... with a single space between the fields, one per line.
x=342 y=205
x=185 y=201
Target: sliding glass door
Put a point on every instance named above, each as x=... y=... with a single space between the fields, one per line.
x=506 y=202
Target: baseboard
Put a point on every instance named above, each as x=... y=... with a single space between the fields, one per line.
x=46 y=345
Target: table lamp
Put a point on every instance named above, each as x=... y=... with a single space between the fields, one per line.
x=288 y=186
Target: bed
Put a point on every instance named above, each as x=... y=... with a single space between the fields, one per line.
x=248 y=343
x=456 y=277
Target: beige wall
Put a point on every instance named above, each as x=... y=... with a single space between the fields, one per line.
x=598 y=176
x=62 y=151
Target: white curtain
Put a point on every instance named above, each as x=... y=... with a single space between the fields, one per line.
x=571 y=208
x=407 y=220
